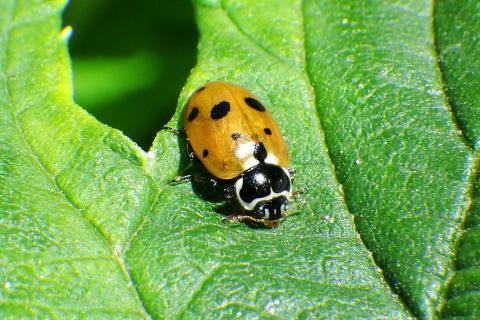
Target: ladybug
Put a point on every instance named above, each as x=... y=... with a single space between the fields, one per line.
x=238 y=142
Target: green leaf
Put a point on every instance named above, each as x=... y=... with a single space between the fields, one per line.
x=397 y=151
x=91 y=227
x=71 y=189
x=457 y=28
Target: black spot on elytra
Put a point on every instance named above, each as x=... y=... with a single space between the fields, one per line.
x=235 y=136
x=268 y=131
x=193 y=114
x=255 y=104
x=205 y=153
x=220 y=110
x=259 y=152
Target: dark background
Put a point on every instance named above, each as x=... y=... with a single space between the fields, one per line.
x=130 y=60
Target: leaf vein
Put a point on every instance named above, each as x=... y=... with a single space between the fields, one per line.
x=448 y=101
x=308 y=78
x=465 y=139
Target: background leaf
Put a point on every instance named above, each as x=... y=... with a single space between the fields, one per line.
x=457 y=28
x=93 y=229
x=397 y=151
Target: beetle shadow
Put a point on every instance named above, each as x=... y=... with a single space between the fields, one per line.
x=201 y=177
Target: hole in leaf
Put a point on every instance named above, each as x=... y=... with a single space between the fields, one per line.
x=130 y=61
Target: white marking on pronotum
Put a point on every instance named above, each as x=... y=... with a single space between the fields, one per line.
x=271 y=159
x=238 y=187
x=251 y=205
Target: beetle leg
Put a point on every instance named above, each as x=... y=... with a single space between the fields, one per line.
x=292 y=210
x=178 y=132
x=181 y=179
x=195 y=178
x=213 y=182
x=260 y=222
x=298 y=202
x=298 y=192
x=191 y=154
x=291 y=171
